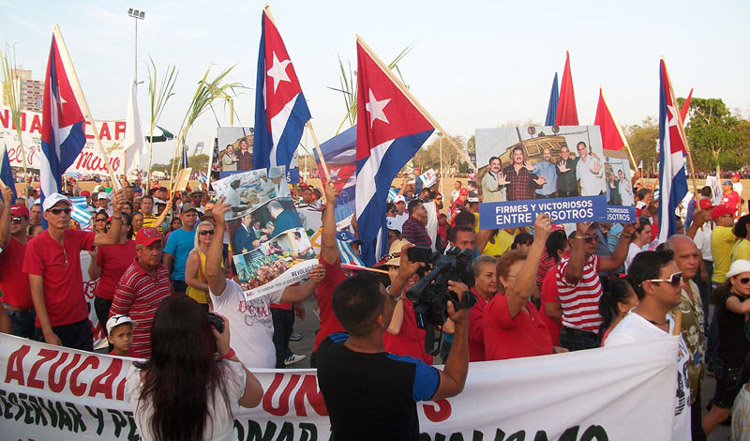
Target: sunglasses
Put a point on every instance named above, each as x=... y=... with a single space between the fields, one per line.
x=675 y=280
x=101 y=219
x=15 y=220
x=59 y=210
x=589 y=239
x=207 y=233
x=745 y=280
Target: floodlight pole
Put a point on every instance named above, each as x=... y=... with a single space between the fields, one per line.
x=137 y=15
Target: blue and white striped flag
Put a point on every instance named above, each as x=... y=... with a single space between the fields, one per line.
x=392 y=193
x=80 y=214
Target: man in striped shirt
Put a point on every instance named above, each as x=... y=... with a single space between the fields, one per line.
x=142 y=287
x=579 y=287
x=414 y=229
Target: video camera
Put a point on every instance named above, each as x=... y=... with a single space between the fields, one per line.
x=430 y=295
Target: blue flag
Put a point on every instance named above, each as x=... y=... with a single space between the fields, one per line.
x=6 y=175
x=554 y=96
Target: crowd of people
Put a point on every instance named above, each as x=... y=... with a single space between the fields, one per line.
x=168 y=294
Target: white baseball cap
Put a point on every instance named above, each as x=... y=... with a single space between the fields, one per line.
x=117 y=320
x=51 y=200
x=738 y=267
x=102 y=195
x=399 y=198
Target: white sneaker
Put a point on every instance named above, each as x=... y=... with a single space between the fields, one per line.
x=294 y=358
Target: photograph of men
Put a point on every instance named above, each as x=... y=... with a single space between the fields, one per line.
x=522 y=183
x=589 y=170
x=493 y=182
x=567 y=182
x=546 y=169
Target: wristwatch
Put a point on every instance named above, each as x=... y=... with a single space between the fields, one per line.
x=394 y=298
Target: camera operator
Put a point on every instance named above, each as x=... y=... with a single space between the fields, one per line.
x=368 y=392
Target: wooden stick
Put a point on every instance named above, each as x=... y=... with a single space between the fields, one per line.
x=677 y=323
x=78 y=91
x=320 y=152
x=681 y=131
x=363 y=268
x=410 y=97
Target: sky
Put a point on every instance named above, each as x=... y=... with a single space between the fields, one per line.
x=474 y=64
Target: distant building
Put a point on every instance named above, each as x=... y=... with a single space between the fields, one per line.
x=30 y=92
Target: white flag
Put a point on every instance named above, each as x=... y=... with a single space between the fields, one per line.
x=134 y=141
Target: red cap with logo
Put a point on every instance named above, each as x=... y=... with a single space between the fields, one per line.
x=705 y=204
x=19 y=210
x=147 y=236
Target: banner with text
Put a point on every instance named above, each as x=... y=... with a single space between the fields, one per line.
x=89 y=162
x=49 y=392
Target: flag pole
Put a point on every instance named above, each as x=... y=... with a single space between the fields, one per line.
x=619 y=128
x=681 y=130
x=414 y=101
x=68 y=63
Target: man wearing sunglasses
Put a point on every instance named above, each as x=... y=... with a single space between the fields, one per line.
x=657 y=282
x=53 y=263
x=14 y=284
x=579 y=287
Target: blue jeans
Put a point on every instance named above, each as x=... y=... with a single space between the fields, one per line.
x=22 y=323
x=75 y=335
x=577 y=340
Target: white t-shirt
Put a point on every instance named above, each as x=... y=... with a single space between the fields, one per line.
x=398 y=221
x=634 y=328
x=250 y=325
x=633 y=250
x=220 y=425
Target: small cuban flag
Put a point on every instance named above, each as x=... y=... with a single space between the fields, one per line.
x=429 y=178
x=79 y=213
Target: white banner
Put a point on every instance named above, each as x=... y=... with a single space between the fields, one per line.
x=621 y=393
x=89 y=162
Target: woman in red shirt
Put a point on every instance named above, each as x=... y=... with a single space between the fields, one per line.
x=513 y=327
x=485 y=287
x=109 y=262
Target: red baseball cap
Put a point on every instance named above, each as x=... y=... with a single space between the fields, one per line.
x=705 y=204
x=463 y=192
x=147 y=236
x=736 y=175
x=721 y=210
x=85 y=193
x=19 y=210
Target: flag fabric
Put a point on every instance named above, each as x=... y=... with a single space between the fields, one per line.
x=686 y=106
x=62 y=125
x=554 y=97
x=390 y=130
x=428 y=178
x=567 y=115
x=613 y=137
x=640 y=164
x=135 y=145
x=349 y=259
x=6 y=174
x=280 y=107
x=672 y=177
x=202 y=177
x=80 y=212
x=184 y=162
x=392 y=193
x=340 y=156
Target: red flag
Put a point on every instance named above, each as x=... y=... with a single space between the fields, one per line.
x=686 y=106
x=612 y=136
x=567 y=115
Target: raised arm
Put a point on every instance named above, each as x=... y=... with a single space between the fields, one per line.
x=574 y=270
x=113 y=235
x=525 y=284
x=300 y=292
x=214 y=274
x=328 y=250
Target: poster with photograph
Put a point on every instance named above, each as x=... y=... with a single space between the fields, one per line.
x=235 y=149
x=270 y=246
x=524 y=171
x=619 y=188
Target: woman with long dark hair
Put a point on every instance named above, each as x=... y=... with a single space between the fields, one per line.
x=614 y=304
x=185 y=391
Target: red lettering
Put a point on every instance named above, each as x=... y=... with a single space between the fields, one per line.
x=23 y=123
x=87 y=129
x=58 y=386
x=102 y=384
x=119 y=129
x=120 y=394
x=115 y=162
x=14 y=371
x=47 y=355
x=439 y=411
x=5 y=118
x=75 y=387
x=283 y=407
x=309 y=389
x=104 y=132
x=36 y=124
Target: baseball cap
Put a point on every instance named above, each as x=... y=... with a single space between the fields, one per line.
x=86 y=193
x=19 y=210
x=399 y=198
x=158 y=201
x=187 y=207
x=391 y=224
x=720 y=210
x=705 y=204
x=99 y=188
x=463 y=192
x=347 y=236
x=739 y=266
x=117 y=320
x=736 y=175
x=51 y=200
x=727 y=182
x=147 y=236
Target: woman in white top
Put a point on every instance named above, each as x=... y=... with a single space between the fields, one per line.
x=641 y=238
x=185 y=390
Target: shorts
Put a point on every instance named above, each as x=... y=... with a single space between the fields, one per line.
x=729 y=380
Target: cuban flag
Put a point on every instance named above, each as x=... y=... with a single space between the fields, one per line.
x=62 y=125
x=390 y=130
x=6 y=174
x=341 y=158
x=672 y=177
x=80 y=212
x=280 y=107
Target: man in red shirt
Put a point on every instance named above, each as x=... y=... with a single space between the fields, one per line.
x=731 y=199
x=14 y=284
x=53 y=262
x=142 y=287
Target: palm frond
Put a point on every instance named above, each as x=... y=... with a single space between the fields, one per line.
x=14 y=98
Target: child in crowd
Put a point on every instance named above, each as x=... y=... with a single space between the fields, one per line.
x=120 y=334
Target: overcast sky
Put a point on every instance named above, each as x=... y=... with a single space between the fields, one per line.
x=475 y=64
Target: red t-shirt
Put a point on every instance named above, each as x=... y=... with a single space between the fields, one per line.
x=329 y=324
x=60 y=268
x=476 y=329
x=524 y=335
x=731 y=200
x=549 y=294
x=410 y=339
x=14 y=283
x=113 y=260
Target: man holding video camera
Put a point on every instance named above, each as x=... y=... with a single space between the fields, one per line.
x=368 y=392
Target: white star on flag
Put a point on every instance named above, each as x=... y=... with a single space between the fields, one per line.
x=334 y=172
x=672 y=117
x=278 y=72
x=375 y=108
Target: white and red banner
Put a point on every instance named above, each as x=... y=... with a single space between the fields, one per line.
x=622 y=393
x=89 y=162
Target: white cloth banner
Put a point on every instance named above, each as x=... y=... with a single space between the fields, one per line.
x=621 y=393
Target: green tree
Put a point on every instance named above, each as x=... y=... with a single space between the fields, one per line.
x=642 y=139
x=712 y=134
x=196 y=162
x=429 y=156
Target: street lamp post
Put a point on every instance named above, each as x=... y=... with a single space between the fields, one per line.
x=442 y=177
x=137 y=15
